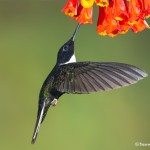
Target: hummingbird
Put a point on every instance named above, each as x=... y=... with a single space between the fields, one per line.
x=69 y=76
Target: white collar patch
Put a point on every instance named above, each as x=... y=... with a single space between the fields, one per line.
x=72 y=60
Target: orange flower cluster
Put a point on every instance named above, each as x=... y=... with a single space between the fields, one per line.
x=115 y=16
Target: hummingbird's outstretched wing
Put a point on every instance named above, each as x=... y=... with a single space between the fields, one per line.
x=88 y=77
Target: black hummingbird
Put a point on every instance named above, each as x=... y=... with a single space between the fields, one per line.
x=69 y=76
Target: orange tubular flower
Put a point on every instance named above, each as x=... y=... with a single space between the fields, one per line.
x=115 y=16
x=70 y=8
x=147 y=7
x=84 y=15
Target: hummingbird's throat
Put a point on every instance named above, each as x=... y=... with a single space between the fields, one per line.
x=72 y=60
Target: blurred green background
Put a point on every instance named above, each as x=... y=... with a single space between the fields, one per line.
x=31 y=32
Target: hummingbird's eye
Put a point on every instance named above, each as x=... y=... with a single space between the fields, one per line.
x=66 y=48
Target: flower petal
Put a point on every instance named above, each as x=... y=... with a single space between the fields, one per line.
x=70 y=8
x=84 y=15
x=114 y=27
x=139 y=25
x=101 y=3
x=136 y=8
x=124 y=26
x=120 y=9
x=102 y=22
x=87 y=3
x=147 y=7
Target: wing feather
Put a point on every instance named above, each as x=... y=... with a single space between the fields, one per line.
x=103 y=80
x=94 y=79
x=89 y=85
x=117 y=78
x=89 y=77
x=113 y=77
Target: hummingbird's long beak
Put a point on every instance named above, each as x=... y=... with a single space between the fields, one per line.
x=75 y=32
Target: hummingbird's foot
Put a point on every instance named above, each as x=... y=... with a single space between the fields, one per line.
x=54 y=102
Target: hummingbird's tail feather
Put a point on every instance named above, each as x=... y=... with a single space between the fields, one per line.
x=38 y=123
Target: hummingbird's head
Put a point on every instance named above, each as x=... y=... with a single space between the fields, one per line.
x=66 y=52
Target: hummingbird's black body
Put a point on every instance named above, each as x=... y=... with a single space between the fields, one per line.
x=69 y=76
